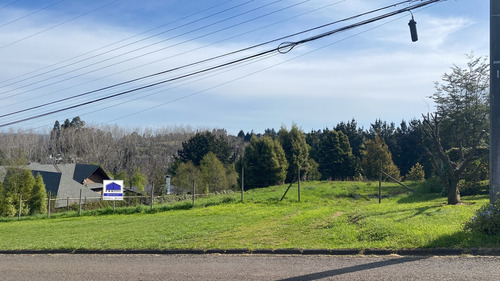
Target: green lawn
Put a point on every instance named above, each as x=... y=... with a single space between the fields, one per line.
x=331 y=215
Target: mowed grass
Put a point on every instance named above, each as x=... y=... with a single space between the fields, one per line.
x=331 y=215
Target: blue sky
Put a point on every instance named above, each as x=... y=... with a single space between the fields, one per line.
x=53 y=50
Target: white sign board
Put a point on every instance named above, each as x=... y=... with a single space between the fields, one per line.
x=112 y=190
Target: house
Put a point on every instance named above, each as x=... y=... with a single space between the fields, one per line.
x=64 y=181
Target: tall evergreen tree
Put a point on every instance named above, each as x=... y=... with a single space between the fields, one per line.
x=18 y=182
x=296 y=151
x=202 y=143
x=335 y=158
x=377 y=158
x=264 y=163
x=38 y=201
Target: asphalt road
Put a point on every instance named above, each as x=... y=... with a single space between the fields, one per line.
x=245 y=267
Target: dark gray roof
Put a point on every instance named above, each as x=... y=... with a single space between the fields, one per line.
x=51 y=180
x=68 y=186
x=83 y=171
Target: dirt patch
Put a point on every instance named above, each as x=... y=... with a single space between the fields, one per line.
x=337 y=214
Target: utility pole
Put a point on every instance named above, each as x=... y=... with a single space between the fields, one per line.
x=494 y=100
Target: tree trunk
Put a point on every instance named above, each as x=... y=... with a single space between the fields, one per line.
x=453 y=193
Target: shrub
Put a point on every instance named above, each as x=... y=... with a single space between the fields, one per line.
x=472 y=188
x=416 y=173
x=486 y=220
x=432 y=185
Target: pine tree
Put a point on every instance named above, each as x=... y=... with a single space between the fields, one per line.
x=37 y=202
x=377 y=158
x=296 y=151
x=265 y=163
x=416 y=173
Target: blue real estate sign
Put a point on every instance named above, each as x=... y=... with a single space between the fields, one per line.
x=112 y=190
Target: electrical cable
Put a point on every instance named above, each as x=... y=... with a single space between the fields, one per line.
x=210 y=59
x=188 y=51
x=239 y=78
x=57 y=25
x=149 y=53
x=310 y=39
x=32 y=13
x=128 y=52
x=8 y=4
x=102 y=47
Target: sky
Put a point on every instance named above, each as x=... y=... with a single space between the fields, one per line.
x=161 y=64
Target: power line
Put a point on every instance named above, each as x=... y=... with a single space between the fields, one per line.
x=8 y=4
x=206 y=60
x=288 y=45
x=30 y=14
x=101 y=48
x=183 y=53
x=131 y=51
x=59 y=24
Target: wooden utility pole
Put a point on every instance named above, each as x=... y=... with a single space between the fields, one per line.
x=494 y=100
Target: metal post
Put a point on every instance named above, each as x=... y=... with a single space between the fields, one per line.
x=298 y=181
x=80 y=204
x=242 y=183
x=20 y=206
x=494 y=100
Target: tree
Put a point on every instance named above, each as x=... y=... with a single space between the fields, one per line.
x=17 y=182
x=409 y=149
x=139 y=180
x=354 y=134
x=335 y=158
x=264 y=162
x=187 y=174
x=377 y=158
x=122 y=176
x=459 y=124
x=296 y=151
x=38 y=201
x=416 y=173
x=202 y=143
x=213 y=173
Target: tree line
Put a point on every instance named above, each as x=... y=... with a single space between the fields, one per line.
x=450 y=144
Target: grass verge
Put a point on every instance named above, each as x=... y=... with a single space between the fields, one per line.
x=331 y=215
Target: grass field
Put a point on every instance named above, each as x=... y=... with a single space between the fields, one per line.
x=331 y=215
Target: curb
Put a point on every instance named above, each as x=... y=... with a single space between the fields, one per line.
x=303 y=252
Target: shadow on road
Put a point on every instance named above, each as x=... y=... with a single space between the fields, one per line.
x=356 y=268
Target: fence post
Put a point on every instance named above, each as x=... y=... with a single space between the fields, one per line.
x=48 y=205
x=20 y=206
x=242 y=183
x=193 y=193
x=298 y=181
x=152 y=195
x=380 y=187
x=80 y=204
x=67 y=203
